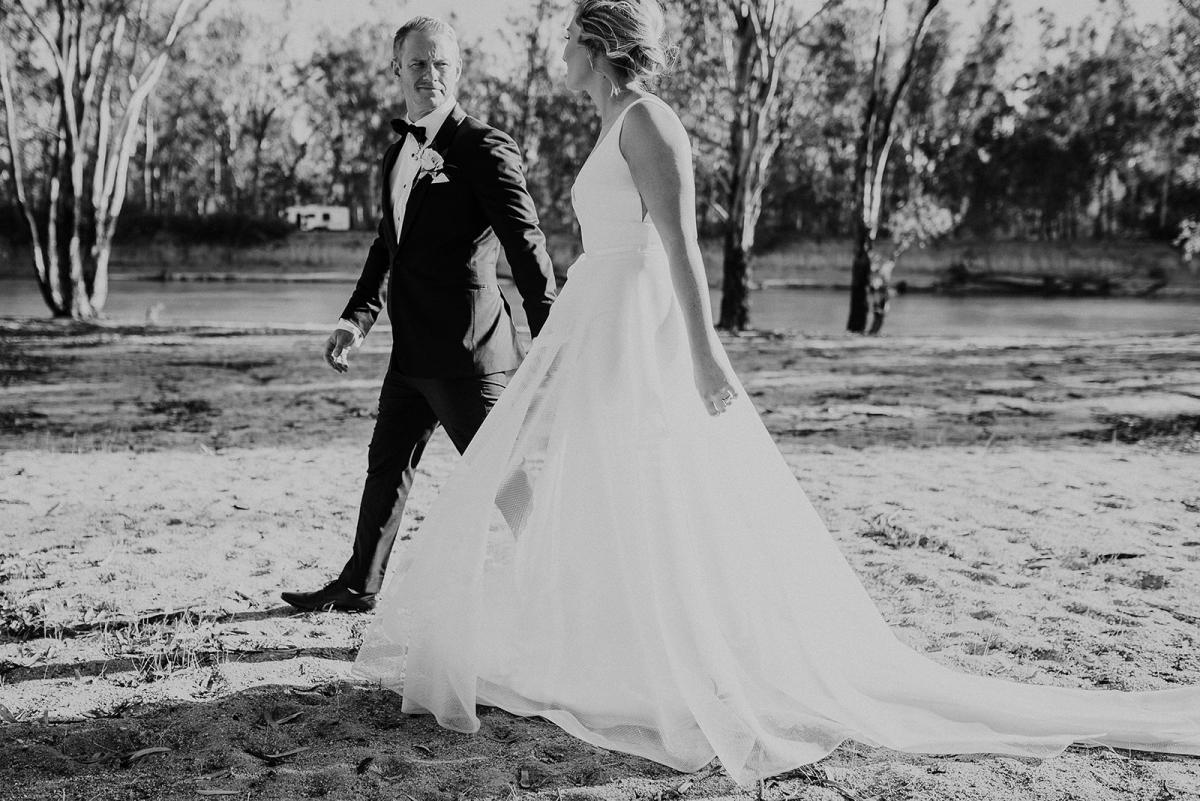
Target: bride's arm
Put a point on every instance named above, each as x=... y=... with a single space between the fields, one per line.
x=660 y=161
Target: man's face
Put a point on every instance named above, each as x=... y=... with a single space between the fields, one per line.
x=428 y=67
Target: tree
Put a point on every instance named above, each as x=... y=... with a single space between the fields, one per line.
x=917 y=223
x=222 y=126
x=102 y=60
x=1188 y=240
x=973 y=167
x=1103 y=134
x=886 y=88
x=765 y=33
x=1174 y=71
x=554 y=128
x=535 y=81
x=347 y=94
x=808 y=189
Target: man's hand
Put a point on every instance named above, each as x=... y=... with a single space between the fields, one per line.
x=337 y=350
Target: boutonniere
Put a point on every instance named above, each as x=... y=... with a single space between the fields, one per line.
x=431 y=163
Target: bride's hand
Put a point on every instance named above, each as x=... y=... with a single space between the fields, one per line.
x=716 y=385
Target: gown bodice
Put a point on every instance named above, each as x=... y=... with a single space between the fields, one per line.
x=606 y=199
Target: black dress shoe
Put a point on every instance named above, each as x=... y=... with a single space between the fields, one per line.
x=333 y=597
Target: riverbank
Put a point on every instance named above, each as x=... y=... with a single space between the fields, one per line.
x=812 y=311
x=981 y=285
x=1018 y=507
x=1119 y=268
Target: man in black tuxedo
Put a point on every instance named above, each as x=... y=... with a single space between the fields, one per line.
x=453 y=195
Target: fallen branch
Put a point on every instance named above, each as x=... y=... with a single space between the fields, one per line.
x=1183 y=616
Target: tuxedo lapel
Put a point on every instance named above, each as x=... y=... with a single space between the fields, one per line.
x=440 y=144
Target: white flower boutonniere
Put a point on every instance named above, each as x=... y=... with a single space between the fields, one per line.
x=432 y=164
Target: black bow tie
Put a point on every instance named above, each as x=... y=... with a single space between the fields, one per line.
x=403 y=127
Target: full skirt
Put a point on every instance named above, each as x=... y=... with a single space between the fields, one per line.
x=659 y=584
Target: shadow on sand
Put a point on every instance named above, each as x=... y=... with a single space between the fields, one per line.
x=335 y=740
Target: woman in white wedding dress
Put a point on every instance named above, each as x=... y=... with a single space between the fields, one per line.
x=669 y=591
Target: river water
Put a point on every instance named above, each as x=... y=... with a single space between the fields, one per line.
x=808 y=310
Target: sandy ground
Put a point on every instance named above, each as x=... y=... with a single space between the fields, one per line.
x=1019 y=508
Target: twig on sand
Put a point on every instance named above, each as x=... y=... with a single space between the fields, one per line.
x=447 y=761
x=129 y=759
x=276 y=759
x=819 y=777
x=1107 y=783
x=1184 y=616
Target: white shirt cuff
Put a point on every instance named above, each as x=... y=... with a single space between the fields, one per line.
x=345 y=325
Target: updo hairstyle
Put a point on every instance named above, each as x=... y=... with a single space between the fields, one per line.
x=629 y=33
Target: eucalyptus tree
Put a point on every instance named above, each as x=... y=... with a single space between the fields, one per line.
x=734 y=92
x=765 y=36
x=892 y=68
x=98 y=62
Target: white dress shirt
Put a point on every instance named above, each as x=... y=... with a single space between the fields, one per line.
x=404 y=175
x=404 y=172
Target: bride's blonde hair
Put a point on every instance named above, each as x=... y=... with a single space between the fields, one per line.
x=630 y=34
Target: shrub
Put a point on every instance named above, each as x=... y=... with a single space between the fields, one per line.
x=1189 y=240
x=136 y=226
x=221 y=228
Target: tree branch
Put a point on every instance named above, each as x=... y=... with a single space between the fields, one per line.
x=112 y=191
x=104 y=123
x=867 y=148
x=55 y=52
x=909 y=64
x=799 y=29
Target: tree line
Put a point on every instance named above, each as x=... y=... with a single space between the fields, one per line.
x=884 y=122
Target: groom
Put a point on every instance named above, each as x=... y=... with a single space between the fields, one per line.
x=453 y=195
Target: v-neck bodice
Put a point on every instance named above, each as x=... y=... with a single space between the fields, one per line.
x=605 y=197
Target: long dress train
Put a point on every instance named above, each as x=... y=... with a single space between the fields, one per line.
x=669 y=591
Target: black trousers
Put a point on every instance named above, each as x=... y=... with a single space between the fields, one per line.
x=410 y=410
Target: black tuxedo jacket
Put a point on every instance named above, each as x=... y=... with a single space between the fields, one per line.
x=448 y=316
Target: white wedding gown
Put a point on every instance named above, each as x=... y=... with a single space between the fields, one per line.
x=670 y=592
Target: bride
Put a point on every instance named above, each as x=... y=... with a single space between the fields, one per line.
x=666 y=588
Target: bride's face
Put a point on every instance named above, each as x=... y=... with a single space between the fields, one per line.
x=579 y=68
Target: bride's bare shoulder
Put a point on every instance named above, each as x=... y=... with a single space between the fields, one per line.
x=653 y=124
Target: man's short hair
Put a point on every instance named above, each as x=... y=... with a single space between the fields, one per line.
x=427 y=25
